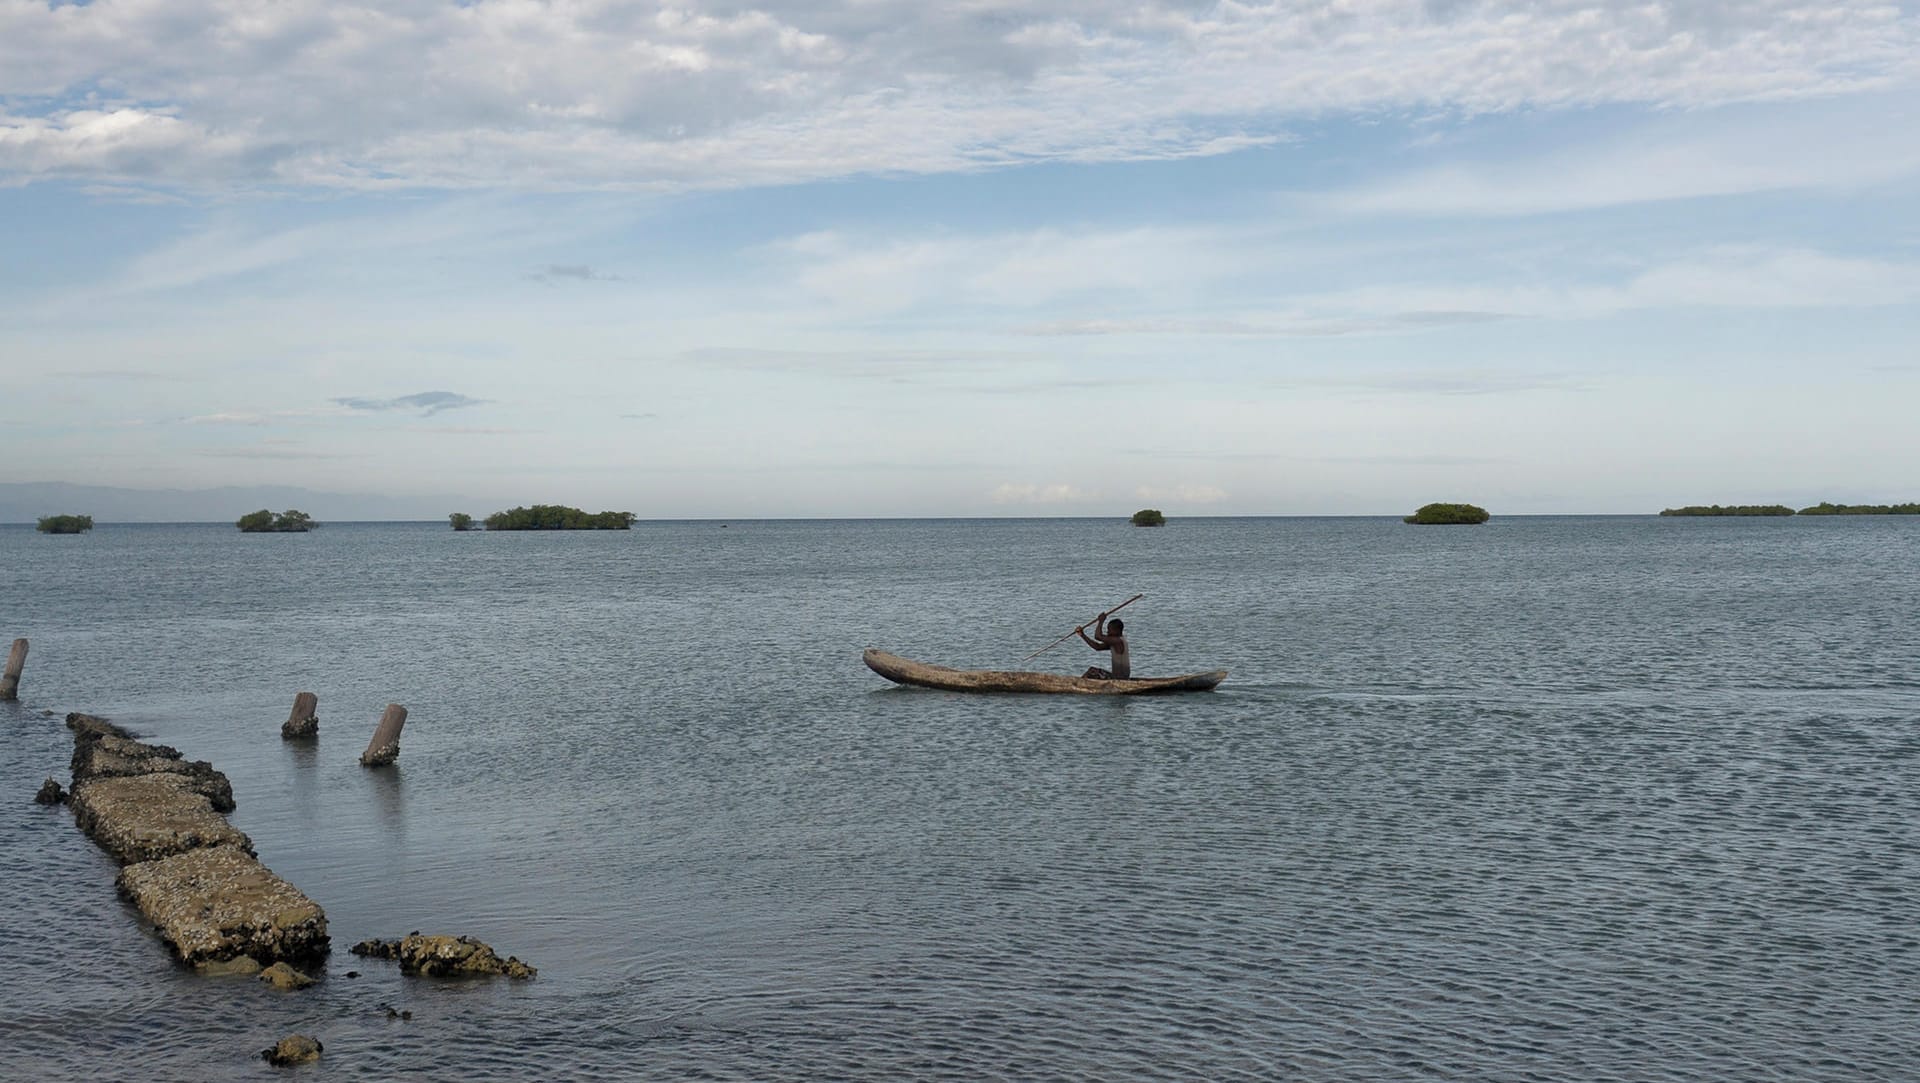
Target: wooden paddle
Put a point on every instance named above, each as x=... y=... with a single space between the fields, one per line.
x=1076 y=631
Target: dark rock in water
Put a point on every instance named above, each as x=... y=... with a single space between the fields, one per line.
x=443 y=956
x=293 y=1049
x=282 y=976
x=353 y=973
x=87 y=726
x=50 y=794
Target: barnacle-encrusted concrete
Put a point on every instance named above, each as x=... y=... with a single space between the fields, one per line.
x=443 y=956
x=190 y=872
x=143 y=817
x=218 y=903
x=119 y=757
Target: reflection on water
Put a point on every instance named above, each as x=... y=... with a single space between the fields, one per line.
x=1550 y=799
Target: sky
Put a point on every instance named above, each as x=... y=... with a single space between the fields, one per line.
x=1029 y=257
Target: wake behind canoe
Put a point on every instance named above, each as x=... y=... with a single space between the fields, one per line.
x=907 y=671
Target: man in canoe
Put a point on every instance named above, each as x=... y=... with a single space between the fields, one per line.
x=1110 y=636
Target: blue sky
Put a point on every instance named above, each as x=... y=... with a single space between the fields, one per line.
x=1041 y=258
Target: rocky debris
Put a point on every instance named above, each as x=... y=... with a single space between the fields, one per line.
x=282 y=976
x=219 y=903
x=143 y=817
x=85 y=726
x=240 y=966
x=50 y=794
x=443 y=956
x=293 y=1049
x=110 y=755
x=393 y=1012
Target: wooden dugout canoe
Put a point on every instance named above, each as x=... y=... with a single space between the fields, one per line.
x=906 y=671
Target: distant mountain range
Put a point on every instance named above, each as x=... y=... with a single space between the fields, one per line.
x=26 y=502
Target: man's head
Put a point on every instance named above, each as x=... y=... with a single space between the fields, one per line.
x=1116 y=626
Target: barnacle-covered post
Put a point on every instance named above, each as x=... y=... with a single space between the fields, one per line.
x=305 y=719
x=16 y=661
x=385 y=746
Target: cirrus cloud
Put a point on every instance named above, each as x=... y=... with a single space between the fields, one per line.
x=609 y=94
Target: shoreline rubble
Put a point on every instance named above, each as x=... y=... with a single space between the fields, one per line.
x=443 y=956
x=189 y=872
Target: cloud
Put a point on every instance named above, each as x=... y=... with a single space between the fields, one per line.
x=1741 y=152
x=577 y=272
x=1184 y=494
x=1277 y=326
x=428 y=403
x=1029 y=493
x=705 y=94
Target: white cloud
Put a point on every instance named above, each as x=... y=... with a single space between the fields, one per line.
x=1184 y=494
x=1028 y=268
x=1030 y=493
x=1685 y=157
x=597 y=93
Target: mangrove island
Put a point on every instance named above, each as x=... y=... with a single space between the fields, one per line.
x=1149 y=517
x=1730 y=509
x=266 y=522
x=65 y=524
x=1824 y=508
x=557 y=517
x=460 y=520
x=1449 y=515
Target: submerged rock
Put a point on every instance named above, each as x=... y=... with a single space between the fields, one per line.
x=293 y=1049
x=218 y=903
x=50 y=794
x=240 y=966
x=143 y=817
x=282 y=976
x=443 y=956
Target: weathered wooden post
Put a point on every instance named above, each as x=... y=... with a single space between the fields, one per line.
x=304 y=721
x=385 y=746
x=16 y=661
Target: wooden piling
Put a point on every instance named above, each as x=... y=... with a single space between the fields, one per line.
x=16 y=661
x=385 y=746
x=305 y=719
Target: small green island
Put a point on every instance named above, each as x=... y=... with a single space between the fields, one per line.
x=65 y=524
x=1449 y=515
x=1149 y=517
x=1824 y=508
x=266 y=522
x=557 y=517
x=460 y=520
x=1729 y=509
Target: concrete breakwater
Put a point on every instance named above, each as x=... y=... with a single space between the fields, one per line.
x=188 y=870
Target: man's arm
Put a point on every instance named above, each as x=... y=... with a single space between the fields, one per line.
x=1099 y=640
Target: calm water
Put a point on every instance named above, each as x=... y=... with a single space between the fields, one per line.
x=1550 y=799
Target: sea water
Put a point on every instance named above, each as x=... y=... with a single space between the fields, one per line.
x=1548 y=799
